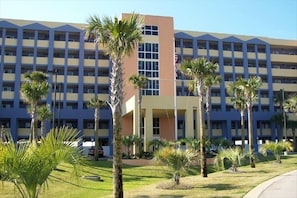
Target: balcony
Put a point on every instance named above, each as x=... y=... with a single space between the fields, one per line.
x=88 y=96
x=59 y=44
x=104 y=63
x=27 y=60
x=103 y=80
x=227 y=53
x=284 y=72
x=265 y=101
x=28 y=43
x=8 y=77
x=251 y=55
x=72 y=79
x=8 y=95
x=73 y=61
x=90 y=132
x=9 y=59
x=42 y=43
x=228 y=69
x=202 y=52
x=42 y=60
x=287 y=87
x=89 y=62
x=73 y=45
x=238 y=55
x=10 y=42
x=213 y=52
x=72 y=96
x=217 y=132
x=283 y=58
x=59 y=61
x=188 y=51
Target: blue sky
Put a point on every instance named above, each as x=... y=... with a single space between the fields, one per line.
x=268 y=18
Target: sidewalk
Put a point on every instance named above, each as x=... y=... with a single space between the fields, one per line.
x=283 y=186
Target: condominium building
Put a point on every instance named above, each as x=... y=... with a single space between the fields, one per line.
x=78 y=70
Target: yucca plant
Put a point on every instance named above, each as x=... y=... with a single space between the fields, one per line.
x=276 y=149
x=176 y=159
x=28 y=166
x=233 y=155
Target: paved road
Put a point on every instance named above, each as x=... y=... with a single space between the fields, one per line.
x=283 y=186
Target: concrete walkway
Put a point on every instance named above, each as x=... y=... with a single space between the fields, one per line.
x=283 y=186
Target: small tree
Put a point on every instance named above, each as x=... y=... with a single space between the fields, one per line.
x=28 y=165
x=128 y=142
x=33 y=90
x=96 y=104
x=43 y=114
x=276 y=149
x=176 y=159
x=234 y=155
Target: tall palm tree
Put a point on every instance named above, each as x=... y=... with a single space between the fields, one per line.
x=239 y=102
x=28 y=165
x=139 y=83
x=209 y=81
x=43 y=113
x=250 y=89
x=120 y=38
x=199 y=69
x=33 y=90
x=96 y=104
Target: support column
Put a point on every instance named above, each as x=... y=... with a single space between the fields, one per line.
x=189 y=121
x=148 y=128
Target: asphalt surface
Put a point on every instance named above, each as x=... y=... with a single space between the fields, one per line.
x=283 y=186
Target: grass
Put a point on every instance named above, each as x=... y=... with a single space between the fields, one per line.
x=142 y=181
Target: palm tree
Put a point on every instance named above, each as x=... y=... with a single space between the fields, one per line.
x=239 y=102
x=96 y=104
x=28 y=165
x=209 y=81
x=276 y=149
x=128 y=142
x=199 y=69
x=43 y=113
x=176 y=159
x=139 y=83
x=250 y=88
x=119 y=37
x=191 y=143
x=291 y=104
x=33 y=90
x=293 y=125
x=234 y=155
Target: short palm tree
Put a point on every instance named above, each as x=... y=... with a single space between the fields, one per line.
x=239 y=102
x=199 y=69
x=276 y=149
x=139 y=82
x=176 y=159
x=128 y=142
x=191 y=143
x=209 y=81
x=120 y=38
x=28 y=165
x=250 y=89
x=43 y=114
x=234 y=155
x=96 y=104
x=33 y=90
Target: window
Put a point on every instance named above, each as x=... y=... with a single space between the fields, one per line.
x=187 y=43
x=150 y=30
x=238 y=47
x=213 y=45
x=156 y=126
x=227 y=46
x=201 y=44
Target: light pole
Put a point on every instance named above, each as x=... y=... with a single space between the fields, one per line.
x=284 y=115
x=55 y=98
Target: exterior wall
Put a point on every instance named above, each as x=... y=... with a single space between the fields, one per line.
x=83 y=72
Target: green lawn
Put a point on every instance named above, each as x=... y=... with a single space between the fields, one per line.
x=143 y=181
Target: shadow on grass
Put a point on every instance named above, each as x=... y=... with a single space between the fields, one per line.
x=76 y=185
x=219 y=186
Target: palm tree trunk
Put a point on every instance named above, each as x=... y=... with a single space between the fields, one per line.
x=42 y=129
x=116 y=98
x=96 y=154
x=208 y=112
x=202 y=130
x=242 y=130
x=294 y=139
x=251 y=136
x=33 y=123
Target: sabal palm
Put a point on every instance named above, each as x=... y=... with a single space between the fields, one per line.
x=291 y=104
x=28 y=165
x=276 y=149
x=96 y=104
x=239 y=102
x=33 y=90
x=234 y=155
x=209 y=81
x=139 y=83
x=250 y=89
x=119 y=37
x=44 y=113
x=199 y=69
x=176 y=159
x=128 y=142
